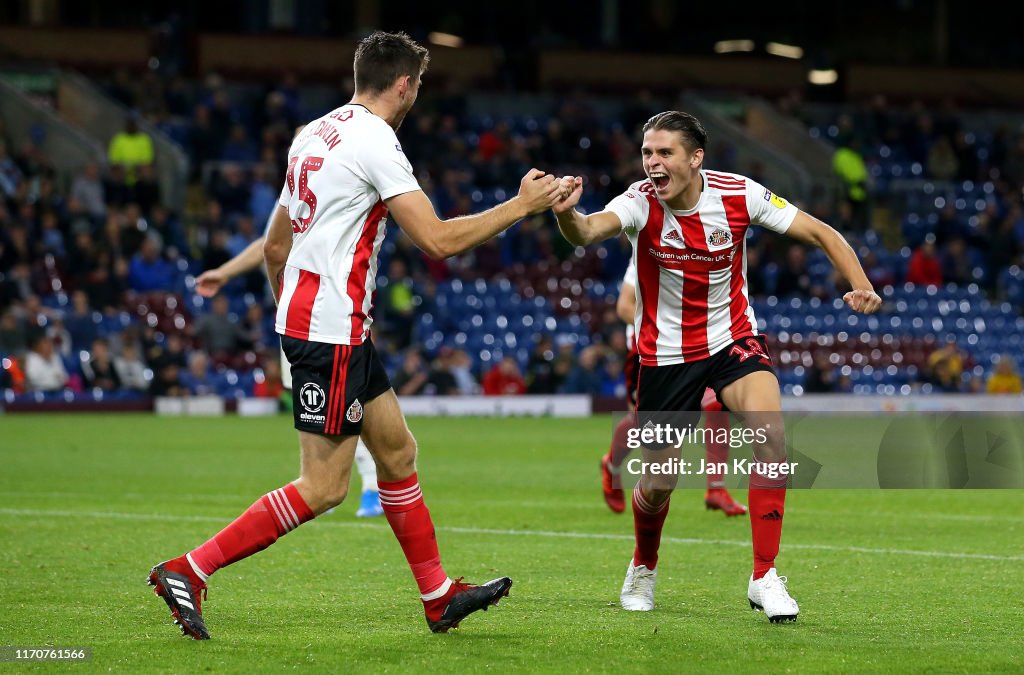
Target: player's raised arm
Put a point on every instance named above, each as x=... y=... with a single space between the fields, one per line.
x=810 y=230
x=276 y=248
x=579 y=229
x=444 y=238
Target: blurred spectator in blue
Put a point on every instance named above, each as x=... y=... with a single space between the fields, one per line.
x=50 y=234
x=44 y=368
x=148 y=270
x=198 y=379
x=613 y=380
x=585 y=377
x=243 y=235
x=238 y=147
x=79 y=321
x=10 y=174
x=461 y=368
x=956 y=265
x=98 y=369
x=264 y=194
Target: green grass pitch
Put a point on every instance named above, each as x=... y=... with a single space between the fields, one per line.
x=888 y=581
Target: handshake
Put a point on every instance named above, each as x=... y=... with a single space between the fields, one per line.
x=540 y=191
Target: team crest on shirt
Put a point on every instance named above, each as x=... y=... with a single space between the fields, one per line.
x=719 y=237
x=355 y=412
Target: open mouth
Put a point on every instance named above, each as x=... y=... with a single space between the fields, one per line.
x=660 y=180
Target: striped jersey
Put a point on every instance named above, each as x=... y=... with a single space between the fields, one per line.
x=691 y=266
x=341 y=168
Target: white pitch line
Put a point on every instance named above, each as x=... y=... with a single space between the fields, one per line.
x=115 y=515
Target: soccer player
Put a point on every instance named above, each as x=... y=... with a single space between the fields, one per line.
x=346 y=171
x=715 y=418
x=209 y=283
x=696 y=329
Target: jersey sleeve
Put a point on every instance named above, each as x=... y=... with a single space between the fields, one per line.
x=768 y=209
x=282 y=200
x=385 y=166
x=632 y=208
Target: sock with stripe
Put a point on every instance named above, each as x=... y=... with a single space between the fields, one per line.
x=648 y=521
x=272 y=516
x=767 y=499
x=410 y=521
x=618 y=451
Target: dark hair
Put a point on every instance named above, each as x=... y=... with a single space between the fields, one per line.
x=685 y=124
x=382 y=58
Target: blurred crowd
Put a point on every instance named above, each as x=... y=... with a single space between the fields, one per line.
x=96 y=273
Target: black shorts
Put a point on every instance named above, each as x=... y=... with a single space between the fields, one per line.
x=332 y=383
x=680 y=387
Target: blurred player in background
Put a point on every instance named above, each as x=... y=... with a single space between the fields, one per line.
x=346 y=171
x=696 y=328
x=715 y=418
x=210 y=282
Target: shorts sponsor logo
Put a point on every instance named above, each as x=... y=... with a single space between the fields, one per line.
x=318 y=419
x=312 y=398
x=355 y=412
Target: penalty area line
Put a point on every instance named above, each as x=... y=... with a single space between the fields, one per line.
x=160 y=517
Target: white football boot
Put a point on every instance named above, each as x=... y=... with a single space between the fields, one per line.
x=769 y=595
x=638 y=588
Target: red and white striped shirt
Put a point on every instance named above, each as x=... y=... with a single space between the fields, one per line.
x=341 y=168
x=692 y=298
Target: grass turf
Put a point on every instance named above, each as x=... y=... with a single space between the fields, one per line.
x=91 y=502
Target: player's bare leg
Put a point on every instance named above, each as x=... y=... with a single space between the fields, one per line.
x=326 y=462
x=757 y=396
x=446 y=602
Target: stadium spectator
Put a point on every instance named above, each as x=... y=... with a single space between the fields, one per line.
x=13 y=338
x=79 y=321
x=411 y=379
x=848 y=164
x=238 y=147
x=148 y=270
x=218 y=332
x=1004 y=379
x=613 y=381
x=146 y=191
x=585 y=377
x=98 y=369
x=87 y=190
x=946 y=367
x=131 y=148
x=461 y=369
x=198 y=379
x=130 y=368
x=397 y=305
x=167 y=381
x=442 y=380
x=504 y=379
x=821 y=375
x=44 y=368
x=925 y=269
x=942 y=161
x=270 y=384
x=793 y=278
x=956 y=265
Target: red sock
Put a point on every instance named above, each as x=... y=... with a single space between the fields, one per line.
x=618 y=451
x=717 y=451
x=648 y=522
x=410 y=521
x=767 y=498
x=272 y=516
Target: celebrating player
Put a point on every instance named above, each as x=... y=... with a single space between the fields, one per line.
x=346 y=171
x=209 y=283
x=696 y=329
x=715 y=418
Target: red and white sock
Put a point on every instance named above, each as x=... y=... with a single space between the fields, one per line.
x=272 y=516
x=618 y=450
x=767 y=499
x=648 y=521
x=410 y=521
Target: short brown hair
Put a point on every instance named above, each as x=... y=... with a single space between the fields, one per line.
x=688 y=126
x=382 y=58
